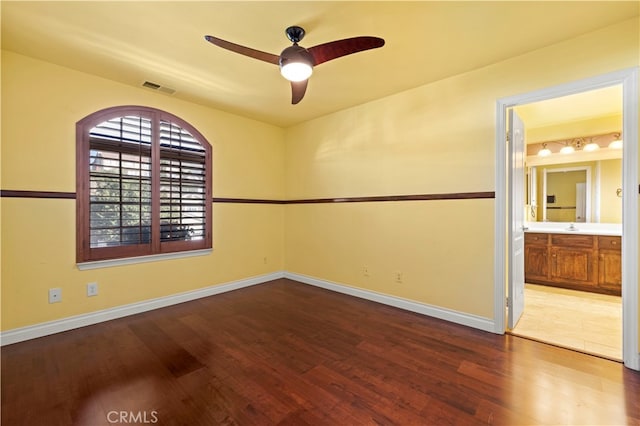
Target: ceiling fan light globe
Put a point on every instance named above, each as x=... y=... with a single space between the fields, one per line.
x=296 y=71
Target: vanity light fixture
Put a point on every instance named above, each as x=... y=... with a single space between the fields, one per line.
x=567 y=149
x=616 y=143
x=589 y=143
x=544 y=151
x=591 y=146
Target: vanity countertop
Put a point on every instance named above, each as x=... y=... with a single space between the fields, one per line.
x=605 y=229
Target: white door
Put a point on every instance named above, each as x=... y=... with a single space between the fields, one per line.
x=516 y=220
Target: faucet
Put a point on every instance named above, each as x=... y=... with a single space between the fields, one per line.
x=572 y=227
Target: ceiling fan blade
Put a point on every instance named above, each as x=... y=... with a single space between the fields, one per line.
x=335 y=49
x=247 y=51
x=298 y=89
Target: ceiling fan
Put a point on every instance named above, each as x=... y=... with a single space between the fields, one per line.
x=296 y=63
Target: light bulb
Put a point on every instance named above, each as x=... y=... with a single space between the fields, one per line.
x=617 y=142
x=296 y=71
x=568 y=149
x=544 y=152
x=591 y=147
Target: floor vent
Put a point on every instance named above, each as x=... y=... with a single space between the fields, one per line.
x=159 y=88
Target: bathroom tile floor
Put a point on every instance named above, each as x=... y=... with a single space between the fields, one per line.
x=587 y=322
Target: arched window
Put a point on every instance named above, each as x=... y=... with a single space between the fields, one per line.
x=143 y=180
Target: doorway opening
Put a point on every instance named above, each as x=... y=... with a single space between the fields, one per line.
x=570 y=299
x=514 y=216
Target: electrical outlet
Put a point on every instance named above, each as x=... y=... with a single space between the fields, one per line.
x=55 y=295
x=265 y=260
x=365 y=271
x=92 y=289
x=399 y=277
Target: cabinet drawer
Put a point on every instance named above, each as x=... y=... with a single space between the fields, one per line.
x=567 y=240
x=536 y=239
x=609 y=243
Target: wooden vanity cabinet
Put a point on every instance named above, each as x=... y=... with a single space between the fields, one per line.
x=576 y=261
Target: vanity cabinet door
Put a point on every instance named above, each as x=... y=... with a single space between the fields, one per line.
x=536 y=257
x=610 y=270
x=610 y=263
x=536 y=263
x=573 y=265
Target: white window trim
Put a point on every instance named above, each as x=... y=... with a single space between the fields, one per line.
x=108 y=263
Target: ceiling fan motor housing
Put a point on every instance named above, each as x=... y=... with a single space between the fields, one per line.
x=296 y=63
x=295 y=53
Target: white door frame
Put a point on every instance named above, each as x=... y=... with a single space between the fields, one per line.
x=628 y=78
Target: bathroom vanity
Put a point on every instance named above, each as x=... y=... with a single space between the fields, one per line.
x=580 y=260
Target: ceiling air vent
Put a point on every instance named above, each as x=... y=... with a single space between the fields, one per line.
x=159 y=88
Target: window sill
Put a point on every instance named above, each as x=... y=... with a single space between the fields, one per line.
x=84 y=266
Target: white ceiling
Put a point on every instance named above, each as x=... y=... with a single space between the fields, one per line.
x=163 y=42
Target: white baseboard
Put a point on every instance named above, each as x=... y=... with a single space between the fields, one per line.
x=474 y=321
x=44 y=329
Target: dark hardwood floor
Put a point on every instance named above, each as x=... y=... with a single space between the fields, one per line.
x=288 y=353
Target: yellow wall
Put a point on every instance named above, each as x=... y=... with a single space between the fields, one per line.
x=337 y=242
x=42 y=102
x=437 y=138
x=575 y=129
x=610 y=181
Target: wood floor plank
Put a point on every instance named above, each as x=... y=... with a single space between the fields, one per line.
x=284 y=353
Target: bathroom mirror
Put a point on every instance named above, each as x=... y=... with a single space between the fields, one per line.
x=566 y=194
x=575 y=192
